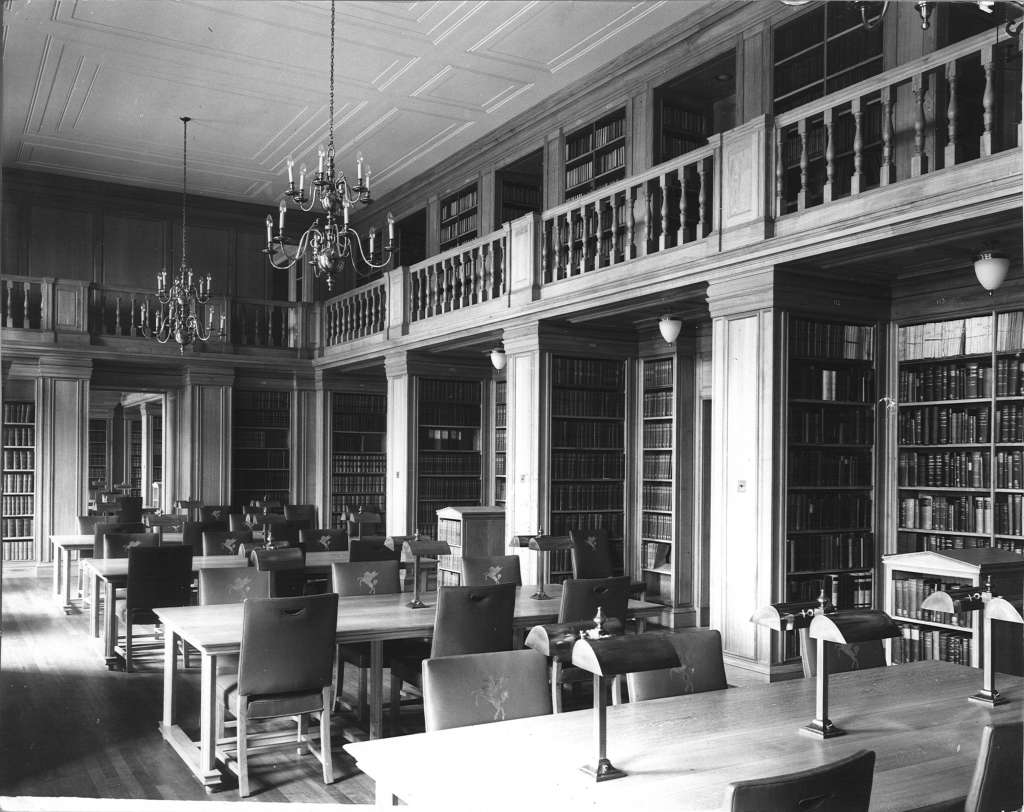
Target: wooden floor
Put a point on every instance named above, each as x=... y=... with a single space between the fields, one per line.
x=70 y=727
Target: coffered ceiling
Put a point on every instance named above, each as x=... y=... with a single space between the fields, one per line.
x=95 y=88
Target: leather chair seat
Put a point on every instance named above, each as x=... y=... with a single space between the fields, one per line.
x=268 y=706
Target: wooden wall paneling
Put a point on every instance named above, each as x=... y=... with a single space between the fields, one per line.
x=400 y=491
x=307 y=428
x=209 y=251
x=640 y=120
x=249 y=276
x=172 y=461
x=61 y=243
x=485 y=201
x=133 y=247
x=15 y=234
x=206 y=433
x=527 y=463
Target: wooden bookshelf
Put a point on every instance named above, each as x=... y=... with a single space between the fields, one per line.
x=830 y=540
x=469 y=531
x=134 y=479
x=500 y=439
x=460 y=218
x=518 y=194
x=156 y=454
x=681 y=128
x=658 y=484
x=448 y=448
x=587 y=482
x=260 y=456
x=358 y=454
x=595 y=155
x=19 y=448
x=99 y=459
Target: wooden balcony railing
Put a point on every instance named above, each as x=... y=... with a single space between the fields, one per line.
x=265 y=323
x=355 y=314
x=936 y=112
x=26 y=303
x=668 y=206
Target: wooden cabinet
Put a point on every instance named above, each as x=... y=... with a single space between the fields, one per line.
x=658 y=489
x=19 y=448
x=260 y=459
x=475 y=530
x=910 y=577
x=595 y=155
x=358 y=458
x=500 y=439
x=460 y=219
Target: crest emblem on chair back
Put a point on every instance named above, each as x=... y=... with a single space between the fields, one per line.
x=472 y=619
x=701 y=668
x=491 y=569
x=582 y=596
x=591 y=553
x=323 y=539
x=365 y=578
x=224 y=542
x=119 y=545
x=102 y=528
x=232 y=585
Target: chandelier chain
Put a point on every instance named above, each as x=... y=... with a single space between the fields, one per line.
x=184 y=191
x=330 y=123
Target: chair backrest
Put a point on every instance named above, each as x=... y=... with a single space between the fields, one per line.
x=169 y=524
x=997 y=783
x=287 y=645
x=365 y=578
x=323 y=539
x=582 y=596
x=102 y=528
x=192 y=533
x=491 y=569
x=87 y=524
x=224 y=542
x=232 y=584
x=214 y=513
x=591 y=553
x=473 y=619
x=283 y=531
x=237 y=523
x=365 y=524
x=472 y=689
x=129 y=509
x=287 y=568
x=373 y=548
x=841 y=786
x=700 y=669
x=159 y=576
x=118 y=545
x=305 y=514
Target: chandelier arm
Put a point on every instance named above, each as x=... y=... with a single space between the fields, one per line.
x=359 y=246
x=300 y=249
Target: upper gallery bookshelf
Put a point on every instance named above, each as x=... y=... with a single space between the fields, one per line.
x=595 y=155
x=658 y=488
x=19 y=430
x=500 y=439
x=588 y=407
x=359 y=426
x=260 y=464
x=448 y=460
x=830 y=542
x=460 y=219
x=682 y=127
x=518 y=195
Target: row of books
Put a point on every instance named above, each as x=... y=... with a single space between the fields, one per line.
x=657 y=435
x=500 y=440
x=579 y=174
x=499 y=491
x=681 y=118
x=944 y=339
x=957 y=381
x=575 y=465
x=260 y=458
x=830 y=551
x=361 y=421
x=500 y=414
x=461 y=227
x=822 y=339
x=449 y=414
x=260 y=438
x=436 y=391
x=1010 y=331
x=916 y=644
x=369 y=442
x=440 y=463
x=18 y=550
x=1009 y=469
x=591 y=372
x=261 y=400
x=357 y=404
x=15 y=460
x=1009 y=424
x=358 y=464
x=816 y=424
x=460 y=491
x=587 y=496
x=966 y=513
x=17 y=505
x=656 y=497
x=499 y=465
x=658 y=404
x=1009 y=515
x=449 y=439
x=19 y=435
x=933 y=425
x=970 y=468
x=657 y=556
x=457 y=204
x=563 y=521
x=920 y=542
x=261 y=480
x=18 y=527
x=607 y=161
x=521 y=194
x=19 y=483
x=352 y=487
x=578 y=434
x=843 y=590
x=675 y=144
x=656 y=526
x=817 y=383
x=19 y=412
x=909 y=592
x=608 y=131
x=657 y=465
x=1009 y=377
x=658 y=374
x=828 y=511
x=809 y=467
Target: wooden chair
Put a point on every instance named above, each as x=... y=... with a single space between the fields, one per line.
x=491 y=569
x=287 y=568
x=701 y=668
x=365 y=523
x=119 y=545
x=192 y=533
x=997 y=782
x=304 y=514
x=282 y=532
x=468 y=620
x=841 y=786
x=87 y=524
x=157 y=577
x=373 y=548
x=232 y=585
x=473 y=689
x=362 y=578
x=224 y=542
x=102 y=528
x=285 y=668
x=129 y=509
x=323 y=539
x=214 y=513
x=592 y=557
x=167 y=524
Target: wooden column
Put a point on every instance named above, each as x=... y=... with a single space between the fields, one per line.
x=205 y=436
x=172 y=447
x=320 y=488
x=305 y=432
x=146 y=481
x=400 y=491
x=62 y=458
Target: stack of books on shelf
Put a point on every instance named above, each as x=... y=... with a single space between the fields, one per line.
x=819 y=339
x=831 y=551
x=965 y=513
x=917 y=643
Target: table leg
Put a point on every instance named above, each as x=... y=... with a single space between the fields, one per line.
x=208 y=715
x=65 y=558
x=382 y=795
x=109 y=622
x=94 y=606
x=170 y=671
x=376 y=689
x=57 y=553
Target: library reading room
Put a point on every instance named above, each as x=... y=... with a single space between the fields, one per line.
x=619 y=402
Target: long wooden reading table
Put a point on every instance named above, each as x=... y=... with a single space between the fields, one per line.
x=682 y=752
x=217 y=630
x=63 y=547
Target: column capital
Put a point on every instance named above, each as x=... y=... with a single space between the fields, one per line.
x=56 y=367
x=396 y=364
x=742 y=293
x=521 y=338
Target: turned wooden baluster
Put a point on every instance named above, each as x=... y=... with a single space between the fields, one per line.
x=46 y=292
x=801 y=195
x=590 y=227
x=887 y=172
x=857 y=179
x=132 y=323
x=424 y=277
x=329 y=337
x=663 y=237
x=431 y=284
x=779 y=174
x=449 y=286
x=28 y=289
x=487 y=275
x=469 y=278
x=987 y=100
x=645 y=190
x=703 y=215
x=830 y=154
x=919 y=160
x=117 y=315
x=614 y=253
x=629 y=250
x=952 y=113
x=348 y=329
x=498 y=254
x=269 y=316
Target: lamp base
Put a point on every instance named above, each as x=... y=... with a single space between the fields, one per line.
x=604 y=771
x=540 y=595
x=988 y=697
x=416 y=603
x=822 y=730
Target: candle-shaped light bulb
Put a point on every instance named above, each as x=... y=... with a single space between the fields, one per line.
x=344 y=208
x=359 y=167
x=302 y=177
x=282 y=208
x=290 y=163
x=208 y=280
x=373 y=238
x=391 y=227
x=321 y=152
x=366 y=182
x=223 y=318
x=209 y=319
x=270 y=229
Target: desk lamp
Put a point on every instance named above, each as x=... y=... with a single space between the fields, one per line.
x=416 y=546
x=190 y=506
x=843 y=627
x=544 y=545
x=995 y=609
x=793 y=616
